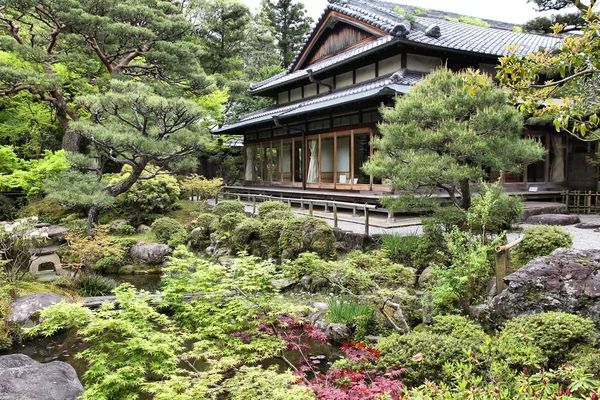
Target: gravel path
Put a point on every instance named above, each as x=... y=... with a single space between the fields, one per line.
x=583 y=239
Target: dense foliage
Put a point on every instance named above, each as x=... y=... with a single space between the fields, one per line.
x=446 y=131
x=568 y=72
x=540 y=241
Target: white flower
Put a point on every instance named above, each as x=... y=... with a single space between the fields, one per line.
x=34 y=218
x=16 y=223
x=8 y=228
x=34 y=233
x=44 y=234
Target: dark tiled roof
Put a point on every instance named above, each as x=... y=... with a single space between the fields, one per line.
x=492 y=41
x=396 y=83
x=322 y=65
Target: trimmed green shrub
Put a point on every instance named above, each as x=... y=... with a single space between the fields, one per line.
x=95 y=285
x=207 y=222
x=179 y=238
x=270 y=233
x=268 y=207
x=126 y=230
x=381 y=268
x=540 y=241
x=229 y=222
x=109 y=264
x=307 y=234
x=245 y=233
x=124 y=242
x=225 y=207
x=459 y=327
x=423 y=354
x=305 y=264
x=554 y=333
x=150 y=196
x=164 y=228
x=586 y=357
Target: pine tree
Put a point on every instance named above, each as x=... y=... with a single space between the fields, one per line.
x=571 y=21
x=290 y=24
x=133 y=125
x=63 y=48
x=446 y=132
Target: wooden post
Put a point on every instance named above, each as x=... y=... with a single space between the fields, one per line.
x=366 y=221
x=253 y=204
x=501 y=265
x=326 y=207
x=335 y=216
x=502 y=253
x=217 y=198
x=310 y=208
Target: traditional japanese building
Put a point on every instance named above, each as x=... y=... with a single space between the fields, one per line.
x=360 y=56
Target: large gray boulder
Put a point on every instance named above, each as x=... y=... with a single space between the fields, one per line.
x=567 y=280
x=553 y=219
x=152 y=253
x=24 y=311
x=22 y=378
x=339 y=333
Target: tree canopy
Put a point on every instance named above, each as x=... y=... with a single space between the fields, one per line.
x=61 y=49
x=446 y=132
x=560 y=84
x=290 y=24
x=570 y=21
x=133 y=125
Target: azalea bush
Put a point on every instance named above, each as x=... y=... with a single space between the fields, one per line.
x=17 y=240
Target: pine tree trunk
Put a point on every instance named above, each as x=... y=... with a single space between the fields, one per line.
x=465 y=191
x=93 y=212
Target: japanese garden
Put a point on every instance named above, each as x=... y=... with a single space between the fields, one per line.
x=220 y=199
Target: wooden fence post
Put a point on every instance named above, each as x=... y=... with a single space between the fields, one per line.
x=366 y=221
x=335 y=216
x=310 y=208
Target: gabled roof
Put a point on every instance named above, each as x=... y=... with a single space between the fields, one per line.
x=396 y=83
x=431 y=29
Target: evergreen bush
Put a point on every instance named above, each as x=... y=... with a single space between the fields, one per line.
x=540 y=241
x=245 y=233
x=423 y=354
x=267 y=208
x=270 y=233
x=229 y=222
x=109 y=264
x=150 y=196
x=126 y=230
x=207 y=222
x=164 y=228
x=307 y=234
x=554 y=333
x=225 y=207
